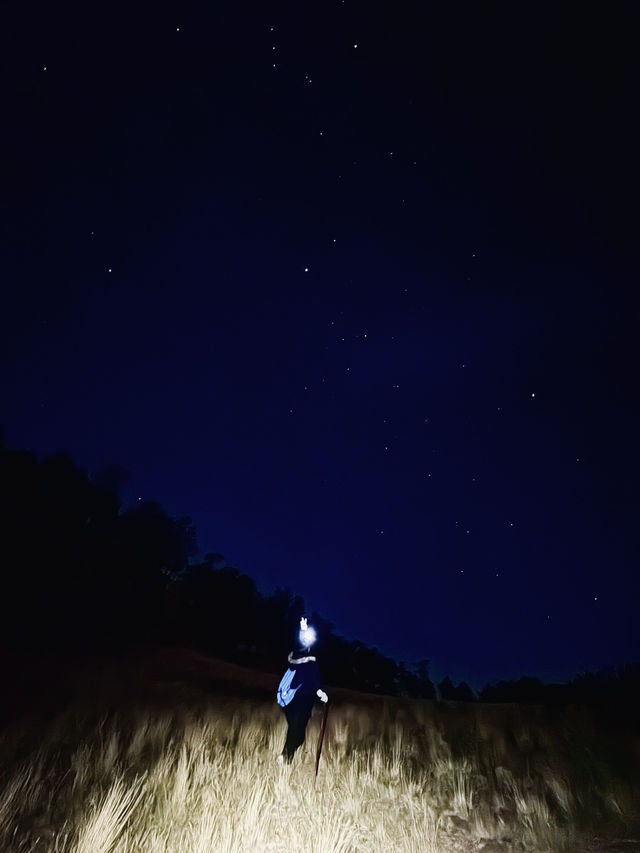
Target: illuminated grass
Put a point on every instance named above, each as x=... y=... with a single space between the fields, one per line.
x=207 y=780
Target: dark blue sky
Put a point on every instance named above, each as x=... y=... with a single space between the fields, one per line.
x=351 y=284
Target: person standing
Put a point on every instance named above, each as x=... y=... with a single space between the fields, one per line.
x=298 y=691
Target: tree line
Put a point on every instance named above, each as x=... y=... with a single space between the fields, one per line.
x=82 y=573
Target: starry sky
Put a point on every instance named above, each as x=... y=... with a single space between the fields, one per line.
x=352 y=283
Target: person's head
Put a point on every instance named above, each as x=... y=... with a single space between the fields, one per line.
x=306 y=636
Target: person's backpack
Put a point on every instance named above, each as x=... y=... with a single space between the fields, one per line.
x=285 y=691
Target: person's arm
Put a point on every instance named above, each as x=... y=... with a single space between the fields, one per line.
x=322 y=696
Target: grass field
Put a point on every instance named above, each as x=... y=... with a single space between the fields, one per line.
x=196 y=773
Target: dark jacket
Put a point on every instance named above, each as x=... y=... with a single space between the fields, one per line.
x=306 y=674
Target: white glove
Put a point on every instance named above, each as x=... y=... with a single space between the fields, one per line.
x=322 y=696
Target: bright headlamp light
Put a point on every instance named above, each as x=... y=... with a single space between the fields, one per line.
x=307 y=634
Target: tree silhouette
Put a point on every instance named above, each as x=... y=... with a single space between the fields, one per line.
x=449 y=692
x=78 y=572
x=74 y=569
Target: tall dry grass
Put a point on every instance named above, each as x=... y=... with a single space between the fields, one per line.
x=392 y=778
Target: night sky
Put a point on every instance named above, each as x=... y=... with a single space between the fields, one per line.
x=353 y=285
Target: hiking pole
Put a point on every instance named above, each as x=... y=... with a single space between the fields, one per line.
x=320 y=739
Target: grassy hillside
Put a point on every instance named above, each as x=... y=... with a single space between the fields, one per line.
x=170 y=751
